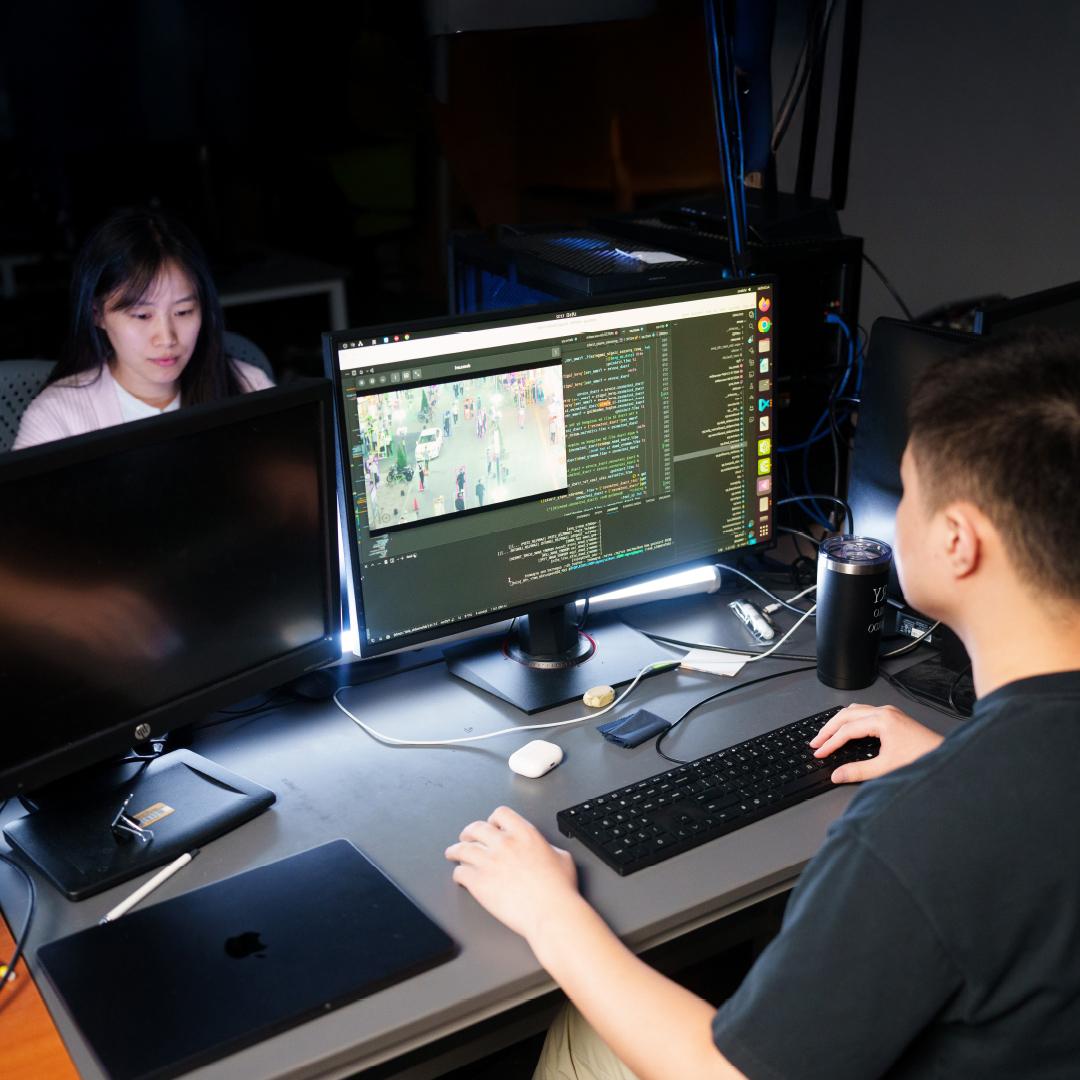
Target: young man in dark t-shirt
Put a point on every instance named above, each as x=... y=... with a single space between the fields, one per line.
x=937 y=932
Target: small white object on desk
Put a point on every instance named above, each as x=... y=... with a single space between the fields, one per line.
x=535 y=758
x=713 y=663
x=599 y=697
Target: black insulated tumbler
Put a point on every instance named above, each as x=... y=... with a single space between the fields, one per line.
x=852 y=583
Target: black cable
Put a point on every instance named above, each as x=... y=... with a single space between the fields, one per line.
x=719 y=119
x=796 y=534
x=801 y=75
x=889 y=285
x=584 y=616
x=245 y=714
x=854 y=348
x=834 y=439
x=864 y=340
x=20 y=942
x=720 y=693
x=268 y=699
x=828 y=498
x=715 y=648
x=797 y=69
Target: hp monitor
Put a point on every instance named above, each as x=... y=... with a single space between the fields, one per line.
x=151 y=573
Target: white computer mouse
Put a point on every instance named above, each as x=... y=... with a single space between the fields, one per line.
x=535 y=758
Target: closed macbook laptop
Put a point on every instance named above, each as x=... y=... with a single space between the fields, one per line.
x=232 y=963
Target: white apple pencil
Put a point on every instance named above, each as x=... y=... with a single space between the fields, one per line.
x=143 y=891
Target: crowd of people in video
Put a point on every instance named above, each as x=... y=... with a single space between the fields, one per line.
x=449 y=447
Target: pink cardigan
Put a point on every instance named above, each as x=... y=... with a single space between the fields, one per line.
x=86 y=402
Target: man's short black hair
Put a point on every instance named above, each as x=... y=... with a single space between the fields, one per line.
x=999 y=427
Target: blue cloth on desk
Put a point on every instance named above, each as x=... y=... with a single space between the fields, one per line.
x=634 y=729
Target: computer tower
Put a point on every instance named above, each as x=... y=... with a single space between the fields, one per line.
x=545 y=263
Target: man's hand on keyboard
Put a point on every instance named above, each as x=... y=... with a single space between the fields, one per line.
x=512 y=871
x=903 y=739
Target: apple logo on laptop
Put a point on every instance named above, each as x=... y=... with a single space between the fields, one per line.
x=244 y=945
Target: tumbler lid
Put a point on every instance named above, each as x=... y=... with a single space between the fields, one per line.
x=854 y=554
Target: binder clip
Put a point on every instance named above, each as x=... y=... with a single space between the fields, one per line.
x=124 y=827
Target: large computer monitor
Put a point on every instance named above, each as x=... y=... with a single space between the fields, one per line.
x=149 y=574
x=1050 y=309
x=898 y=355
x=506 y=465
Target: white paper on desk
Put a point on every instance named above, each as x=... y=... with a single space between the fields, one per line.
x=714 y=663
x=656 y=257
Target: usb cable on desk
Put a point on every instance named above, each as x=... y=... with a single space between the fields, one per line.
x=390 y=740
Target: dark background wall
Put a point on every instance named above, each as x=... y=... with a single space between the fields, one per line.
x=965 y=165
x=343 y=134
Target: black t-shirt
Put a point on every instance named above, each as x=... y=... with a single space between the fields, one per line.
x=937 y=932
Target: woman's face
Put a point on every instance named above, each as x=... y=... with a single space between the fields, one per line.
x=153 y=340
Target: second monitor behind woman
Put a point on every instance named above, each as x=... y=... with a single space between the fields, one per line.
x=145 y=337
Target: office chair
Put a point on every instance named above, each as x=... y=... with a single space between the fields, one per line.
x=241 y=348
x=20 y=382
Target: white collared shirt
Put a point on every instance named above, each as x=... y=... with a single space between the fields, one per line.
x=134 y=409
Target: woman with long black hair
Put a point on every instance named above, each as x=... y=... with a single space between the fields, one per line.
x=145 y=337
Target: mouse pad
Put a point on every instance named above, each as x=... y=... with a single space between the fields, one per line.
x=176 y=985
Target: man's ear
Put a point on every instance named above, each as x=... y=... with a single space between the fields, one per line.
x=963 y=538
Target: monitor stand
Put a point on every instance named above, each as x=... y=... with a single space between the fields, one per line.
x=182 y=799
x=550 y=661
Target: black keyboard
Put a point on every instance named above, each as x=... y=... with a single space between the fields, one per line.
x=644 y=823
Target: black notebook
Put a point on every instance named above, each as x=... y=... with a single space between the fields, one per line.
x=232 y=963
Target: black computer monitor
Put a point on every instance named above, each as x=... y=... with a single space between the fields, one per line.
x=898 y=355
x=150 y=573
x=1050 y=309
x=505 y=465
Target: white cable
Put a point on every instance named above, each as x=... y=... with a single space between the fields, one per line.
x=911 y=644
x=389 y=740
x=723 y=567
x=806 y=615
x=770 y=608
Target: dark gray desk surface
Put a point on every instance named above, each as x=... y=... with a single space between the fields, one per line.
x=404 y=806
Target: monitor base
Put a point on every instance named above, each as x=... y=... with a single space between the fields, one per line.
x=191 y=799
x=620 y=653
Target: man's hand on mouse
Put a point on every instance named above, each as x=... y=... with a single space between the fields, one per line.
x=513 y=872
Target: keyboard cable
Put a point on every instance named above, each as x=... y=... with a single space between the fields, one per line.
x=720 y=693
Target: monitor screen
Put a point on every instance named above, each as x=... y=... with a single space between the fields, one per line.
x=154 y=571
x=497 y=464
